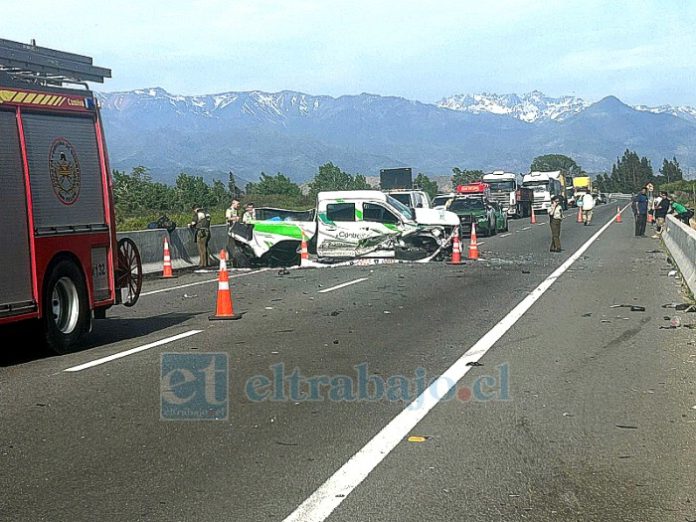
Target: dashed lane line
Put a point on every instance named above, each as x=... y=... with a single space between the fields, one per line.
x=187 y=285
x=343 y=285
x=126 y=353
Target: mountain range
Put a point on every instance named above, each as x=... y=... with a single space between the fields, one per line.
x=294 y=133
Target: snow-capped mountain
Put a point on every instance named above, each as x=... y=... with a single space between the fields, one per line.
x=535 y=106
x=294 y=133
x=275 y=105
x=680 y=111
x=530 y=107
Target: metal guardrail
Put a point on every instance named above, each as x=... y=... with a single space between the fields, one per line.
x=680 y=240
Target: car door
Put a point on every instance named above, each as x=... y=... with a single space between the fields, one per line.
x=338 y=229
x=380 y=226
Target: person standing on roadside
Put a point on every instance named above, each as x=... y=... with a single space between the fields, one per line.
x=201 y=227
x=661 y=211
x=231 y=217
x=249 y=214
x=556 y=216
x=640 y=205
x=588 y=204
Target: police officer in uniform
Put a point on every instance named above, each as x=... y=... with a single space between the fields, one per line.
x=201 y=227
x=555 y=218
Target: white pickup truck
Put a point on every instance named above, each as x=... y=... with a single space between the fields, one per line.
x=345 y=225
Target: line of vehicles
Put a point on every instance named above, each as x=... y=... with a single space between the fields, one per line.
x=62 y=265
x=398 y=221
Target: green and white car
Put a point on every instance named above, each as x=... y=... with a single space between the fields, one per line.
x=489 y=217
x=346 y=225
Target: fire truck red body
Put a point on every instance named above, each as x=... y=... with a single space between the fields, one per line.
x=59 y=258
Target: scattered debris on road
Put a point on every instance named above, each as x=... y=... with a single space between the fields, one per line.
x=474 y=363
x=417 y=438
x=626 y=427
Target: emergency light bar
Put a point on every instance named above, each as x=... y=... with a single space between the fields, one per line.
x=472 y=188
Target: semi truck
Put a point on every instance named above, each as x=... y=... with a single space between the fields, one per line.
x=505 y=190
x=582 y=184
x=545 y=185
x=345 y=225
x=61 y=262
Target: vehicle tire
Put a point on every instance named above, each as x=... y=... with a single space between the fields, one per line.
x=66 y=314
x=240 y=259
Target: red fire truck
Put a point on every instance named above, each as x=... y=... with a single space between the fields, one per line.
x=60 y=262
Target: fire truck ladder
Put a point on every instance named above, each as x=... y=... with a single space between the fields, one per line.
x=46 y=66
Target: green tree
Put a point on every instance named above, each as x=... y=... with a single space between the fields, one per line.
x=425 y=184
x=553 y=162
x=629 y=174
x=191 y=190
x=331 y=177
x=360 y=183
x=601 y=182
x=137 y=192
x=218 y=196
x=275 y=185
x=232 y=187
x=670 y=172
x=461 y=177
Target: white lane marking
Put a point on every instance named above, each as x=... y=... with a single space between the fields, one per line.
x=526 y=228
x=119 y=355
x=342 y=285
x=334 y=491
x=178 y=287
x=506 y=235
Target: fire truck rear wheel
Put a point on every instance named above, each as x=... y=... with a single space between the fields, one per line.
x=66 y=309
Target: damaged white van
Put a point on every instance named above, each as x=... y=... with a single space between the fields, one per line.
x=345 y=225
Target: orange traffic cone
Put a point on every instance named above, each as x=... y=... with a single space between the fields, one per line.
x=167 y=265
x=579 y=220
x=618 y=214
x=533 y=219
x=456 y=249
x=304 y=253
x=224 y=308
x=473 y=243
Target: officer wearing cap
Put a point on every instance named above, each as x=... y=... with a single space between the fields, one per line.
x=556 y=216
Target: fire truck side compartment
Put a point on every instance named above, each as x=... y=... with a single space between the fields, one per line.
x=50 y=214
x=15 y=257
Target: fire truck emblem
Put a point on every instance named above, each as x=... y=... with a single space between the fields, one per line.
x=65 y=171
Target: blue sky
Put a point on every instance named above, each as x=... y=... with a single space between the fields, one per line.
x=640 y=51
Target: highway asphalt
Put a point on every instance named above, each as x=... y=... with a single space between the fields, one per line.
x=575 y=408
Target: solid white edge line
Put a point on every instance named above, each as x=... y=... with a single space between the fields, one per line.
x=343 y=285
x=119 y=355
x=318 y=506
x=171 y=288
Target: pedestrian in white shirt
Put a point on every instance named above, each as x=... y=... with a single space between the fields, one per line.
x=588 y=204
